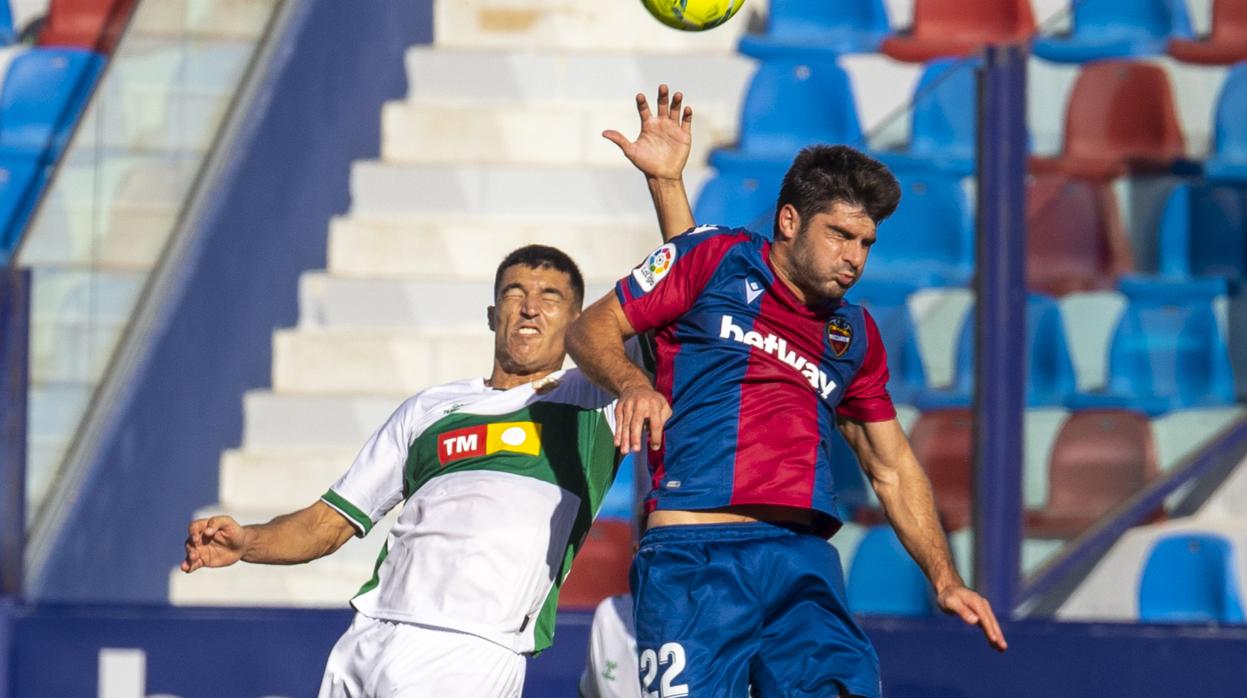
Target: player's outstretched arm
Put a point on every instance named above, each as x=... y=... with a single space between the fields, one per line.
x=289 y=539
x=596 y=342
x=905 y=493
x=660 y=152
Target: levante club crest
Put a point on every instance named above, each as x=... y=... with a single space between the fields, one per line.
x=839 y=335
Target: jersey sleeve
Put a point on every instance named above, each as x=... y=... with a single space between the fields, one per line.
x=867 y=399
x=667 y=283
x=374 y=483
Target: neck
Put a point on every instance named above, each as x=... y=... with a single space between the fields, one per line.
x=502 y=379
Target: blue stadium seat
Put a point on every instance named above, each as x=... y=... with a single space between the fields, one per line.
x=1203 y=232
x=791 y=104
x=44 y=91
x=1168 y=351
x=929 y=241
x=942 y=127
x=888 y=305
x=1190 y=578
x=1115 y=29
x=740 y=198
x=1228 y=160
x=20 y=180
x=1050 y=379
x=817 y=28
x=884 y=580
x=8 y=33
x=619 y=502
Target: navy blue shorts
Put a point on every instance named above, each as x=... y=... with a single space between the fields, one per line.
x=720 y=607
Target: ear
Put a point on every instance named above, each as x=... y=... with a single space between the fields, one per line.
x=489 y=319
x=787 y=223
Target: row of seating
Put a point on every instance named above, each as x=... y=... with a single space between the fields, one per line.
x=43 y=94
x=93 y=25
x=1099 y=29
x=1167 y=351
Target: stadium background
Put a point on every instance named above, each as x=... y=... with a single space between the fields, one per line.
x=238 y=232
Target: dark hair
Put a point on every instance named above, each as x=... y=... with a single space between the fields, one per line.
x=822 y=175
x=543 y=257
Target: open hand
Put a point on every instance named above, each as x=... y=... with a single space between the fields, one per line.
x=661 y=149
x=213 y=542
x=975 y=610
x=636 y=410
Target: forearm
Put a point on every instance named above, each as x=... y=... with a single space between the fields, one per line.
x=596 y=343
x=295 y=538
x=907 y=499
x=675 y=216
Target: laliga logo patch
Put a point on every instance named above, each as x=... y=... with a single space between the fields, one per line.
x=839 y=335
x=655 y=267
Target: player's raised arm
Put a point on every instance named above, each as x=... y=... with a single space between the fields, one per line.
x=289 y=539
x=905 y=493
x=660 y=152
x=596 y=342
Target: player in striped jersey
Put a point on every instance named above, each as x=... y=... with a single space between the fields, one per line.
x=500 y=479
x=759 y=359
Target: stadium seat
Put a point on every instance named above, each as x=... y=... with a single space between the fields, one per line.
x=620 y=501
x=601 y=566
x=1225 y=44
x=88 y=24
x=945 y=28
x=1228 y=160
x=888 y=305
x=1203 y=232
x=1115 y=29
x=44 y=91
x=19 y=182
x=1050 y=372
x=8 y=33
x=1120 y=118
x=1168 y=351
x=884 y=580
x=810 y=28
x=943 y=121
x=818 y=107
x=943 y=442
x=1075 y=240
x=741 y=198
x=929 y=241
x=1099 y=460
x=1190 y=578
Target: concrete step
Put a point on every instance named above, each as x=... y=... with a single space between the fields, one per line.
x=243 y=19
x=327 y=301
x=279 y=479
x=593 y=26
x=385 y=189
x=353 y=363
x=554 y=132
x=469 y=248
x=274 y=420
x=540 y=76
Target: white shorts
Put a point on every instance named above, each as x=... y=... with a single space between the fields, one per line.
x=383 y=658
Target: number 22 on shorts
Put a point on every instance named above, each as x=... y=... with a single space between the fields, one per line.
x=671 y=654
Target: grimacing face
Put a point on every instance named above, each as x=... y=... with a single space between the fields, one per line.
x=830 y=250
x=530 y=318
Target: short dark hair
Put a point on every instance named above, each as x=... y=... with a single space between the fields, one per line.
x=543 y=257
x=822 y=175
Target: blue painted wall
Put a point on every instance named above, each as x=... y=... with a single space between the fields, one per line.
x=318 y=111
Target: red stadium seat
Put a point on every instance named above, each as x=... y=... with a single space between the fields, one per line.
x=943 y=441
x=943 y=28
x=1120 y=119
x=1227 y=42
x=95 y=25
x=601 y=566
x=1075 y=240
x=1100 y=459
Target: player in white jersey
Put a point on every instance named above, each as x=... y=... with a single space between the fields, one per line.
x=501 y=478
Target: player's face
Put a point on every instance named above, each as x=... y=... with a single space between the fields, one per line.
x=829 y=250
x=530 y=317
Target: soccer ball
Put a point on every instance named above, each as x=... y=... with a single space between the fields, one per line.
x=692 y=15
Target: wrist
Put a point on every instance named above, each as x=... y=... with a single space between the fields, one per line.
x=665 y=183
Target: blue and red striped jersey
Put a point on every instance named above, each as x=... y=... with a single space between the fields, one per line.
x=754 y=377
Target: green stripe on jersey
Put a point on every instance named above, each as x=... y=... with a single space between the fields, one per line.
x=358 y=519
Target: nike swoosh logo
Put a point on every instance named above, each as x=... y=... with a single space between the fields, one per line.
x=752 y=290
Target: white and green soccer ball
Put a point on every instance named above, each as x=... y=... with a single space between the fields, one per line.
x=693 y=15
